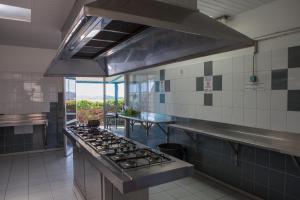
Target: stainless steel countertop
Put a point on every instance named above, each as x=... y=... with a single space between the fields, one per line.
x=283 y=142
x=22 y=120
x=135 y=179
x=149 y=117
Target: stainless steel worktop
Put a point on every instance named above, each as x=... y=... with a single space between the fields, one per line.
x=283 y=142
x=149 y=117
x=136 y=179
x=23 y=120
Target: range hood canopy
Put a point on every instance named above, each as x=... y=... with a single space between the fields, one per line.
x=120 y=36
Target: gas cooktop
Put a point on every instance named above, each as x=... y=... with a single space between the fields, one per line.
x=119 y=150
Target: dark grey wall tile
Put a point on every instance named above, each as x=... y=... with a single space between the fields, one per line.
x=162 y=98
x=208 y=68
x=262 y=157
x=275 y=195
x=247 y=171
x=261 y=191
x=162 y=75
x=276 y=181
x=167 y=86
x=156 y=86
x=291 y=167
x=247 y=153
x=294 y=100
x=247 y=186
x=217 y=82
x=280 y=79
x=292 y=186
x=261 y=175
x=199 y=84
x=294 y=57
x=208 y=99
x=277 y=161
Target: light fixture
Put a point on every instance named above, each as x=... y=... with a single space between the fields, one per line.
x=15 y=13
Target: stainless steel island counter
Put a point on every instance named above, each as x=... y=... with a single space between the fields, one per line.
x=97 y=177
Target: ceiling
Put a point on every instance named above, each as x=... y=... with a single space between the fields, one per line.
x=48 y=17
x=44 y=31
x=217 y=8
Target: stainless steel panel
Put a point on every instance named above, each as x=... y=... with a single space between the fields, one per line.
x=22 y=120
x=93 y=186
x=79 y=168
x=283 y=142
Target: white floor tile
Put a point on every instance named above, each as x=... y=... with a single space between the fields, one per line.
x=49 y=176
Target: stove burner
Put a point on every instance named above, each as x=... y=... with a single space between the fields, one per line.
x=121 y=151
x=130 y=163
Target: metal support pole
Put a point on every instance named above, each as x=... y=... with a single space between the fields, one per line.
x=236 y=149
x=104 y=102
x=126 y=94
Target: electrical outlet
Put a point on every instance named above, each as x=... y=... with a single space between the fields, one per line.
x=253 y=78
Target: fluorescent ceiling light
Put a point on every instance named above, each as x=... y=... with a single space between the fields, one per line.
x=15 y=13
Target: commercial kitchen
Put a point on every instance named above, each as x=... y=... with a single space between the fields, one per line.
x=149 y=99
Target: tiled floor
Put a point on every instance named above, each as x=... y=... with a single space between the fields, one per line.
x=49 y=176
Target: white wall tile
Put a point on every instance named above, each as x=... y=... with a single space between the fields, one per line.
x=293 y=121
x=227 y=115
x=278 y=120
x=250 y=99
x=238 y=116
x=227 y=100
x=250 y=117
x=248 y=63
x=238 y=99
x=264 y=79
x=280 y=58
x=199 y=98
x=223 y=66
x=238 y=82
x=227 y=83
x=264 y=119
x=294 y=78
x=238 y=65
x=264 y=100
x=263 y=61
x=217 y=98
x=279 y=100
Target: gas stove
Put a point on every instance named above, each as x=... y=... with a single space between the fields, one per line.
x=119 y=150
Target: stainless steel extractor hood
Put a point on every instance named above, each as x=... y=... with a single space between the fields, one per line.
x=109 y=37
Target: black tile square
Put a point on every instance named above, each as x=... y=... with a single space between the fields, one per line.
x=208 y=68
x=262 y=157
x=162 y=98
x=247 y=170
x=276 y=180
x=162 y=75
x=294 y=57
x=208 y=99
x=291 y=167
x=199 y=84
x=275 y=195
x=277 y=161
x=294 y=100
x=261 y=175
x=280 y=79
x=247 y=153
x=156 y=86
x=167 y=86
x=261 y=191
x=292 y=186
x=217 y=83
